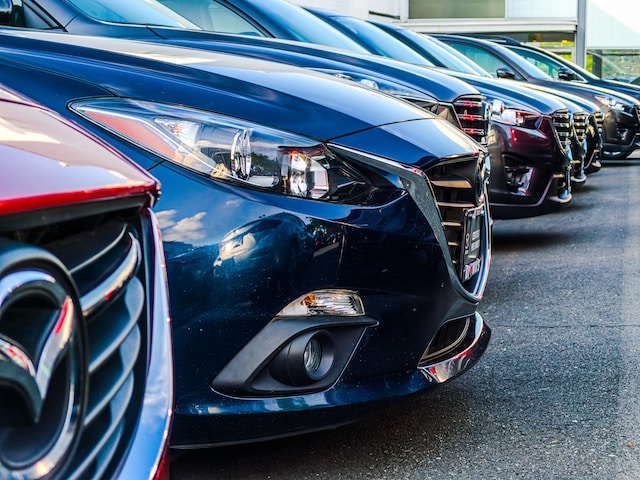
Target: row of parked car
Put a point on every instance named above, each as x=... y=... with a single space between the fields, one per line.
x=324 y=227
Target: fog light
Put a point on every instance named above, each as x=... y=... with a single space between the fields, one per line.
x=325 y=302
x=307 y=359
x=312 y=355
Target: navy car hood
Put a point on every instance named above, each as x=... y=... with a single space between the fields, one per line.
x=288 y=98
x=437 y=84
x=621 y=87
x=586 y=89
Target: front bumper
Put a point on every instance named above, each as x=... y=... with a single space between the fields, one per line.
x=397 y=257
x=621 y=132
x=470 y=352
x=530 y=172
x=266 y=419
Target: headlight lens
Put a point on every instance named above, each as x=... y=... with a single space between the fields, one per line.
x=228 y=149
x=512 y=116
x=610 y=102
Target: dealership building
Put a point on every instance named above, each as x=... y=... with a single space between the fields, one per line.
x=604 y=35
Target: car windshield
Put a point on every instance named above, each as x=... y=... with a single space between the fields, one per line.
x=147 y=12
x=299 y=24
x=213 y=17
x=553 y=62
x=381 y=42
x=492 y=62
x=547 y=64
x=448 y=56
x=531 y=70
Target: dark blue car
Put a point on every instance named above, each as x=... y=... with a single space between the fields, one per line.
x=621 y=124
x=326 y=245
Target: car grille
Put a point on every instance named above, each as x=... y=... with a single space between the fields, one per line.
x=104 y=256
x=473 y=116
x=562 y=124
x=580 y=125
x=442 y=110
x=599 y=118
x=468 y=113
x=457 y=185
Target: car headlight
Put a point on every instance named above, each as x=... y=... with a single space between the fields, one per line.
x=512 y=116
x=232 y=150
x=610 y=102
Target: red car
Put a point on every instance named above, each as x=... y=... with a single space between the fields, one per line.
x=85 y=353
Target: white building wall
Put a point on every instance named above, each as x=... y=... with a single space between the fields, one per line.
x=613 y=24
x=610 y=23
x=556 y=9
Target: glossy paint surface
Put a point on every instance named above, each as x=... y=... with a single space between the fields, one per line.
x=58 y=163
x=272 y=94
x=49 y=163
x=289 y=50
x=237 y=256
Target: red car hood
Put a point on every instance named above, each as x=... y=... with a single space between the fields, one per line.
x=47 y=161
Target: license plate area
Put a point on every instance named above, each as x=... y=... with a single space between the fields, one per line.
x=472 y=243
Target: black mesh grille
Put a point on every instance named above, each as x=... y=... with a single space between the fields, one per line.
x=456 y=184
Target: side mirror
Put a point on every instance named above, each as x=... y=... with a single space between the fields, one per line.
x=504 y=72
x=6 y=12
x=566 y=74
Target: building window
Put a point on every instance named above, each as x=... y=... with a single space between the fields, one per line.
x=457 y=9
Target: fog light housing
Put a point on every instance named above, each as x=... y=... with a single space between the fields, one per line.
x=312 y=355
x=308 y=358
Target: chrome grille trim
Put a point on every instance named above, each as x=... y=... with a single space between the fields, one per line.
x=580 y=125
x=116 y=280
x=118 y=370
x=105 y=261
x=106 y=337
x=562 y=120
x=599 y=118
x=108 y=428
